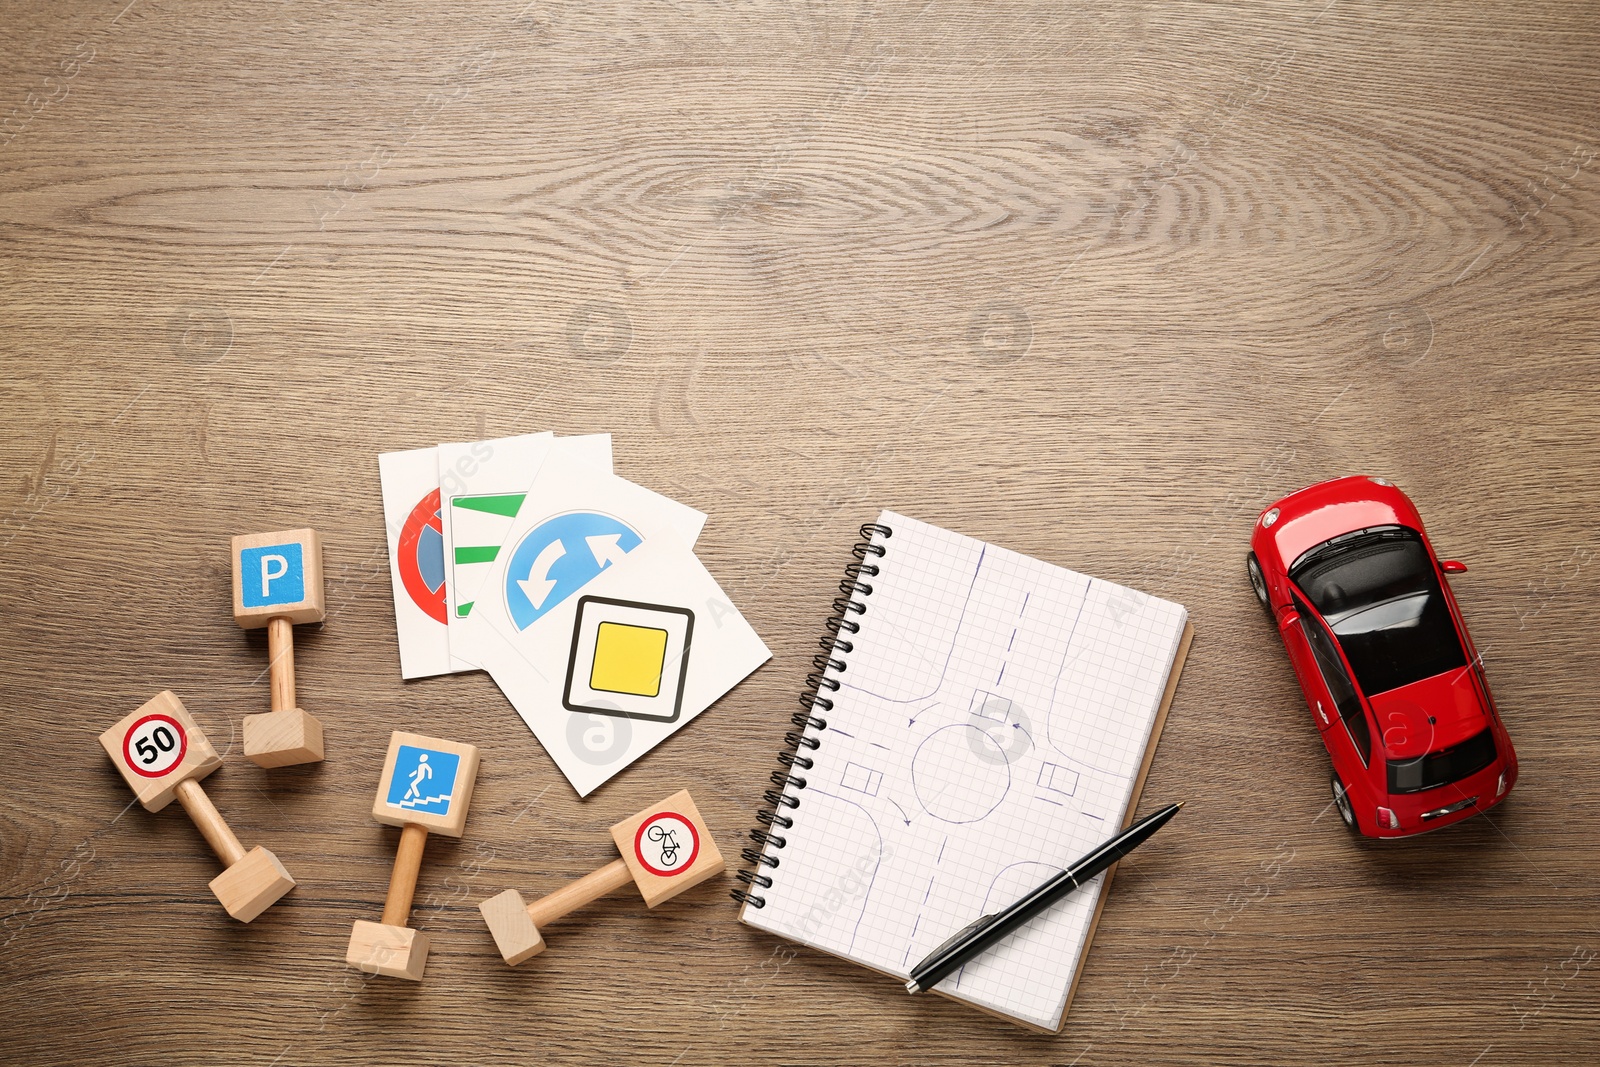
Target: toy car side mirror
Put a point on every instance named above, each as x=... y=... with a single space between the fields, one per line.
x=1453 y=566
x=1288 y=619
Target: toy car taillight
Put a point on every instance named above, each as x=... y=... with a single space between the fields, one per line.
x=1388 y=819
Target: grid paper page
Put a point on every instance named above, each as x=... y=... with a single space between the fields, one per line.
x=988 y=730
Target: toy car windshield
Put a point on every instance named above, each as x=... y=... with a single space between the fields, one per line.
x=1379 y=595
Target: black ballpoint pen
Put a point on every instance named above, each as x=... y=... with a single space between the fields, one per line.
x=987 y=931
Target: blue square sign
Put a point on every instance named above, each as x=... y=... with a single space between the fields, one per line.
x=272 y=575
x=424 y=780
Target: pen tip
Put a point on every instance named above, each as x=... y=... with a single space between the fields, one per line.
x=1181 y=803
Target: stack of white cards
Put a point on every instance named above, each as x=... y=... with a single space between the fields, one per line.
x=577 y=590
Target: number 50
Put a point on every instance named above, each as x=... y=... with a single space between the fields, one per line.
x=163 y=740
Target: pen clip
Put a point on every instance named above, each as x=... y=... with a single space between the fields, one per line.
x=955 y=938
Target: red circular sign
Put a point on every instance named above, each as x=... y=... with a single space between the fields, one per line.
x=423 y=518
x=154 y=745
x=660 y=843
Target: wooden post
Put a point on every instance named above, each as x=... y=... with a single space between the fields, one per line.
x=403 y=879
x=280 y=662
x=666 y=849
x=205 y=815
x=162 y=754
x=277 y=582
x=585 y=890
x=426 y=786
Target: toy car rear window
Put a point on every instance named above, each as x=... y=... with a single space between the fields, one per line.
x=1442 y=767
x=1379 y=594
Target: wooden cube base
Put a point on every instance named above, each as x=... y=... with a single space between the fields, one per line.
x=252 y=885
x=282 y=738
x=514 y=933
x=396 y=951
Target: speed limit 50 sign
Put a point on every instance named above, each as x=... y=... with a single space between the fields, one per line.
x=154 y=745
x=158 y=746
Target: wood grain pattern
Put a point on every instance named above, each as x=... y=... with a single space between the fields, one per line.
x=1095 y=282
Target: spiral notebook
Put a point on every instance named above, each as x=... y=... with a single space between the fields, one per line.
x=979 y=720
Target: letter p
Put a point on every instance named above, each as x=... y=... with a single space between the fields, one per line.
x=269 y=572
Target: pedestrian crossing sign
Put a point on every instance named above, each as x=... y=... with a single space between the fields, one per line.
x=427 y=781
x=423 y=780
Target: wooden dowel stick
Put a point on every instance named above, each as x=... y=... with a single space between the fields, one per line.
x=570 y=898
x=209 y=820
x=280 y=662
x=403 y=880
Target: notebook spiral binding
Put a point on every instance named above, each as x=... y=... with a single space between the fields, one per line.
x=793 y=758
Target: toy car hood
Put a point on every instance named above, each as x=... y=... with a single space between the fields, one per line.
x=1321 y=512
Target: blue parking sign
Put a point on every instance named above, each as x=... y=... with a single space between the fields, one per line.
x=272 y=575
x=424 y=780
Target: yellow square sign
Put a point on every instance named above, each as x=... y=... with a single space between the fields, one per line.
x=628 y=659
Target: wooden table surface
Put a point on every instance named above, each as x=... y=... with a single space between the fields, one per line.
x=1095 y=282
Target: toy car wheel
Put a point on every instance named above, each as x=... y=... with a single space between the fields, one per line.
x=1258 y=581
x=1341 y=800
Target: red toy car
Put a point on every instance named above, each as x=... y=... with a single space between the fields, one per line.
x=1377 y=640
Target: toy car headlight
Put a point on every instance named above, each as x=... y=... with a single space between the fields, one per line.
x=1269 y=518
x=1380 y=481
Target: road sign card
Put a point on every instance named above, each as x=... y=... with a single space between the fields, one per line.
x=609 y=673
